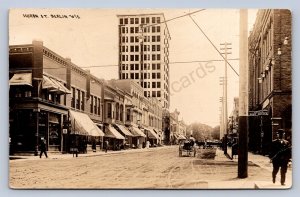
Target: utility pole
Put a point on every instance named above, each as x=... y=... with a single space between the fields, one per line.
x=243 y=97
x=222 y=109
x=226 y=52
x=141 y=40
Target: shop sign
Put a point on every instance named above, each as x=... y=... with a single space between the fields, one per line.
x=258 y=113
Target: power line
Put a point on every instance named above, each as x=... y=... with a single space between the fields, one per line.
x=213 y=45
x=177 y=17
x=115 y=65
x=199 y=61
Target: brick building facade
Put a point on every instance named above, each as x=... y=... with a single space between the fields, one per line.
x=40 y=104
x=270 y=78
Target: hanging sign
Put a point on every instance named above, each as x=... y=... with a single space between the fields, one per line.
x=258 y=113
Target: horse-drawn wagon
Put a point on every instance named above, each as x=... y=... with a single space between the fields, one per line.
x=187 y=148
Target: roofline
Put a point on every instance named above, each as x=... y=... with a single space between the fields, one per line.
x=122 y=15
x=151 y=14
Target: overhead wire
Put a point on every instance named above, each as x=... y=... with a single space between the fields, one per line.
x=213 y=45
x=176 y=62
x=115 y=65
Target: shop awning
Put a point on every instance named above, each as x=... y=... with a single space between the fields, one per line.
x=21 y=79
x=151 y=133
x=53 y=85
x=111 y=132
x=137 y=132
x=124 y=130
x=83 y=125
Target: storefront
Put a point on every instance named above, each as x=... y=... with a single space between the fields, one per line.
x=32 y=119
x=151 y=136
x=114 y=138
x=126 y=133
x=138 y=137
x=83 y=131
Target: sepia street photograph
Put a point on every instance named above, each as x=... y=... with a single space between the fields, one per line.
x=150 y=98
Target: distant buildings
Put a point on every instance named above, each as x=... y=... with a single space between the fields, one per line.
x=144 y=54
x=270 y=78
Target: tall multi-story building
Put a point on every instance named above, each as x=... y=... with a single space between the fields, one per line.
x=144 y=54
x=270 y=78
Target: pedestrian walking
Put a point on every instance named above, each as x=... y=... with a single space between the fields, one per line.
x=280 y=156
x=43 y=148
x=106 y=145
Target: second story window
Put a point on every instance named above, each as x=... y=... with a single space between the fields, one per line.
x=99 y=106
x=109 y=110
x=82 y=100
x=73 y=98
x=78 y=99
x=92 y=104
x=95 y=105
x=128 y=115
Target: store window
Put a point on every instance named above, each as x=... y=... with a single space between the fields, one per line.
x=54 y=131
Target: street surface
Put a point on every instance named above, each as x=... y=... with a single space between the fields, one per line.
x=157 y=168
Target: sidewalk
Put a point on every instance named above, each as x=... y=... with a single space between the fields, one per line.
x=56 y=155
x=262 y=162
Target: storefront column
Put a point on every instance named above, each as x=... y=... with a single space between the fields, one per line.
x=36 y=150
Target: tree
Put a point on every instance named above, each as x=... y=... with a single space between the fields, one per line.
x=199 y=131
x=216 y=132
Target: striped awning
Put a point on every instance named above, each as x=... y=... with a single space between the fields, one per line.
x=111 y=132
x=53 y=85
x=83 y=125
x=124 y=130
x=21 y=79
x=151 y=133
x=137 y=132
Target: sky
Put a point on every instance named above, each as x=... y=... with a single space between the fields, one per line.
x=90 y=39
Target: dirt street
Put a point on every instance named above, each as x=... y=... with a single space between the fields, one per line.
x=160 y=168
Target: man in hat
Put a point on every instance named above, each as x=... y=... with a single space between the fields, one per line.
x=280 y=156
x=43 y=147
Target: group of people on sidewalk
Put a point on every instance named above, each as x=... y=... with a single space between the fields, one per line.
x=280 y=155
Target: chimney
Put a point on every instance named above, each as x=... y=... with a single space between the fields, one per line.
x=88 y=84
x=37 y=71
x=68 y=67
